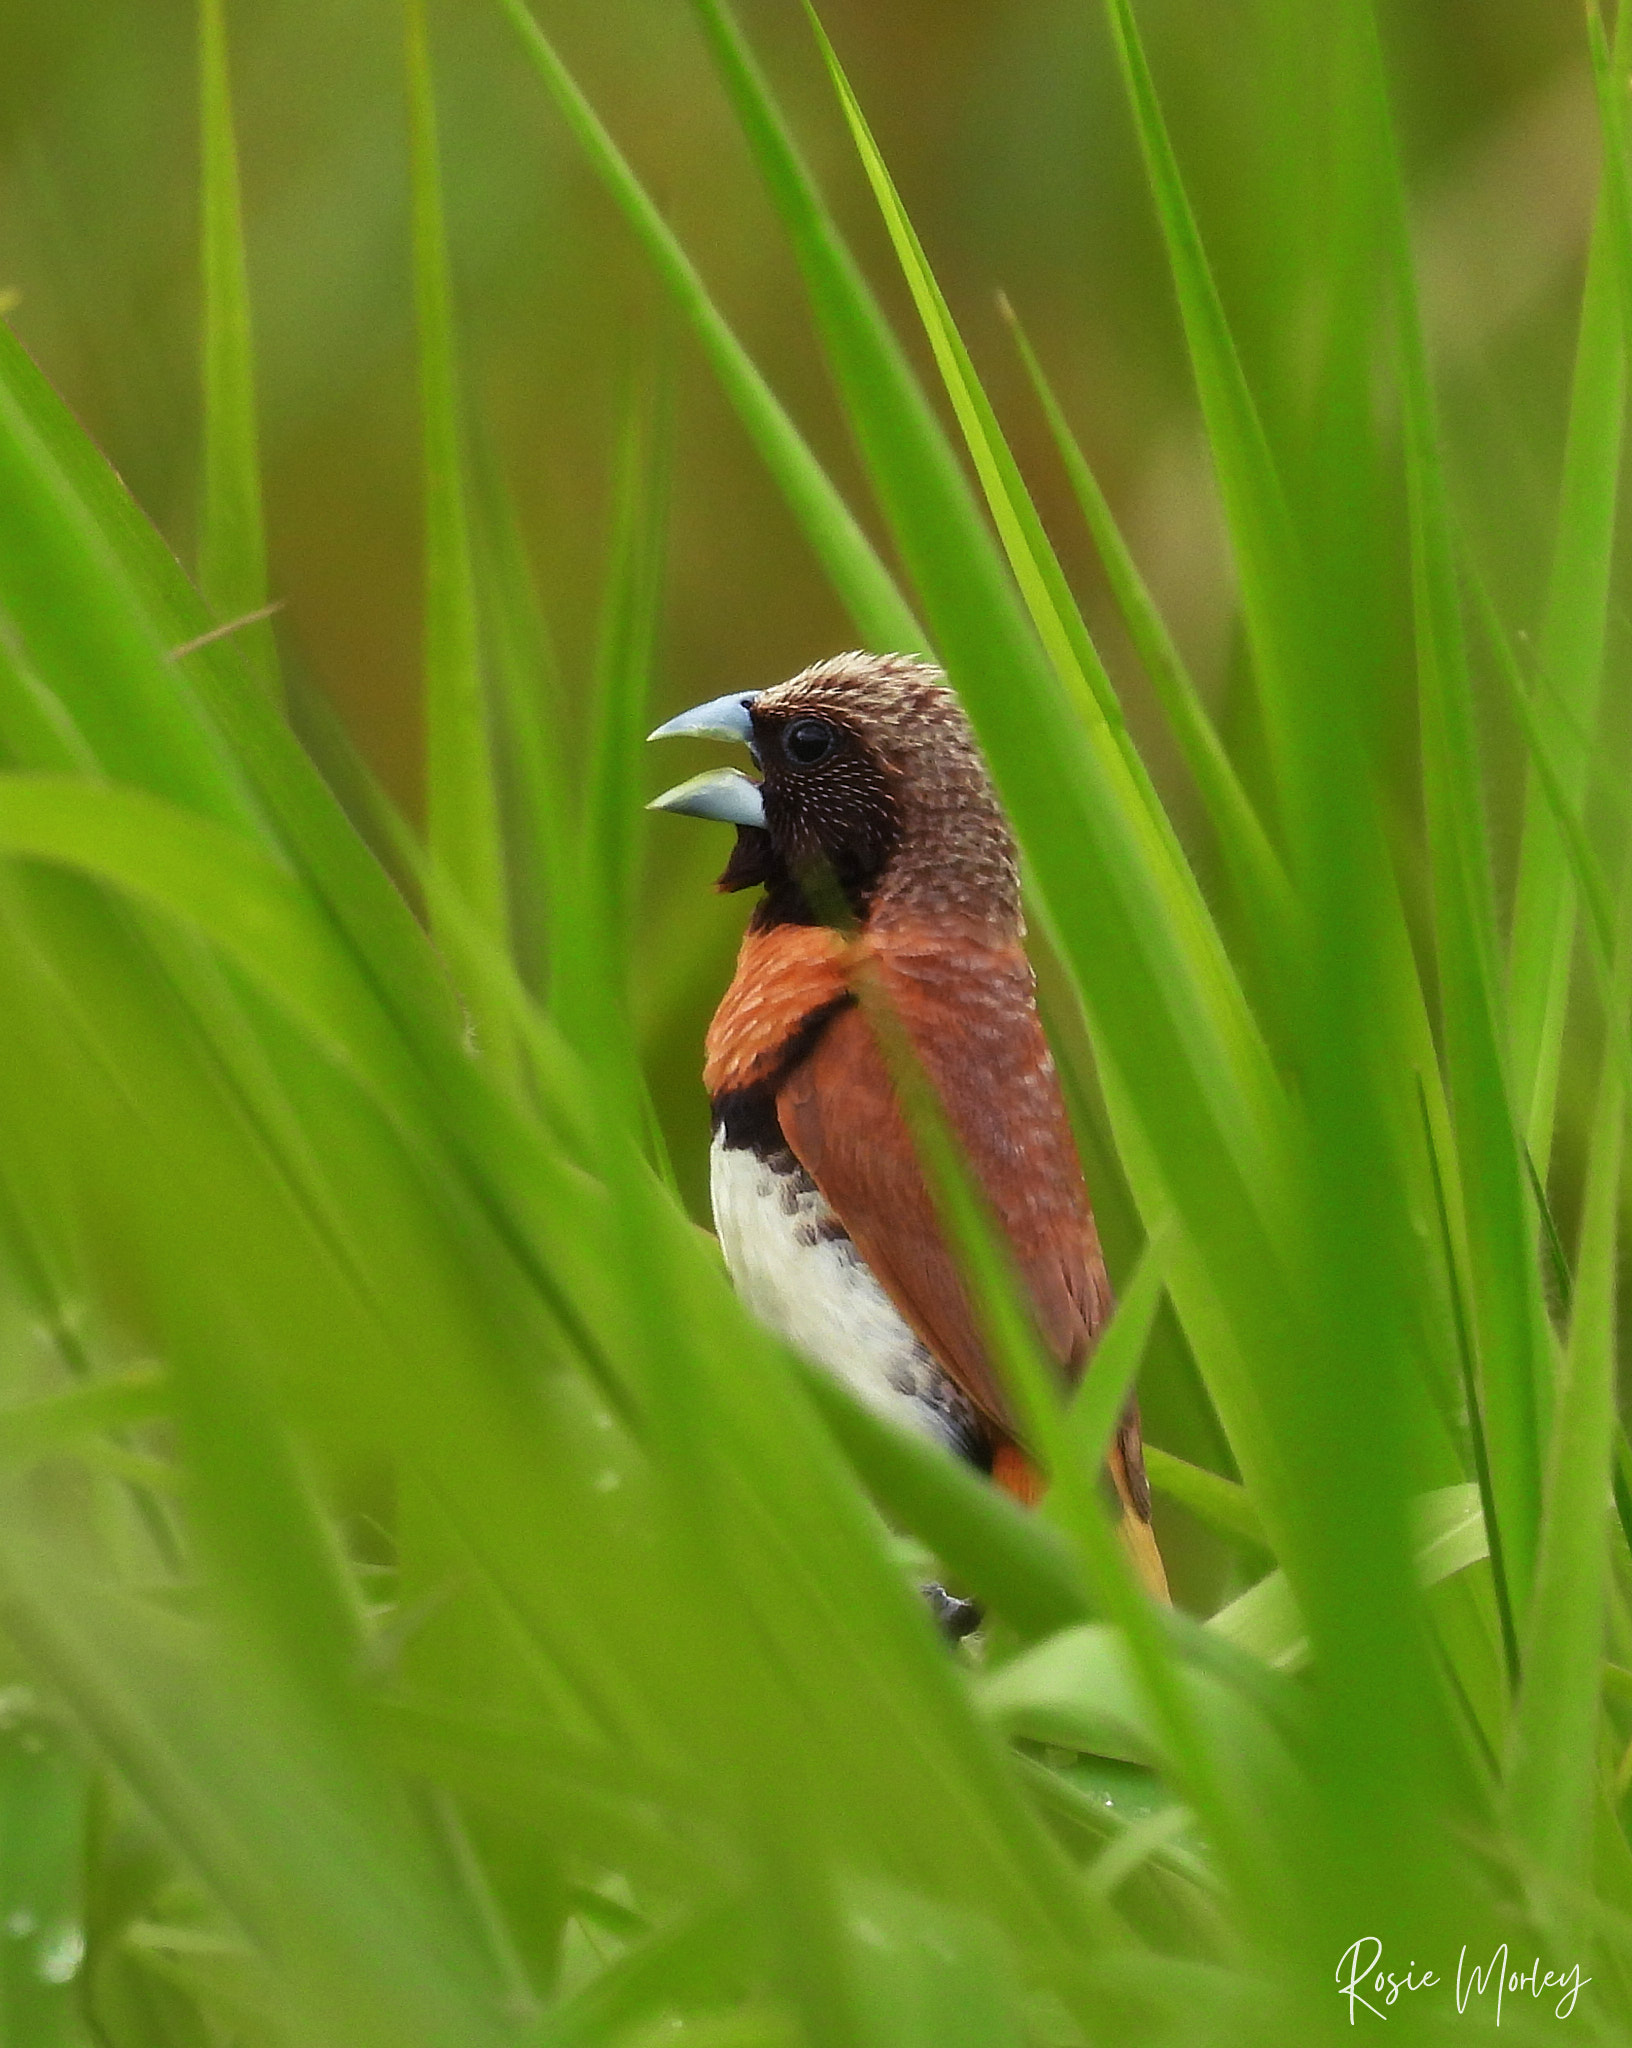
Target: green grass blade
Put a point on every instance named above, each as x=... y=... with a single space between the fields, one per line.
x=626 y=660
x=852 y=563
x=1273 y=599
x=612 y=822
x=1353 y=1422
x=462 y=807
x=864 y=349
x=1450 y=1537
x=1311 y=581
x=861 y=334
x=1252 y=859
x=1054 y=1438
x=529 y=712
x=93 y=592
x=868 y=360
x=920 y=1977
x=1096 y=1406
x=1080 y=1689
x=1586 y=873
x=1509 y=1316
x=232 y=532
x=1215 y=1500
x=1575 y=624
x=1006 y=1558
x=216 y=883
x=1551 y=1765
x=1475 y=1419
x=39 y=1428
x=594 y=934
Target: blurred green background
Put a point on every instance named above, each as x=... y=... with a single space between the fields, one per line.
x=1007 y=132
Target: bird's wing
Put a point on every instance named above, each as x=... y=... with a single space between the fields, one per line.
x=973 y=1025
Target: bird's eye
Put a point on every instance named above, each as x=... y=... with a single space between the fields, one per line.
x=808 y=742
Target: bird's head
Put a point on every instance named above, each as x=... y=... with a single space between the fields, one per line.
x=873 y=800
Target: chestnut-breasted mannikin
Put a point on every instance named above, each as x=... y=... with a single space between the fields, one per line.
x=886 y=861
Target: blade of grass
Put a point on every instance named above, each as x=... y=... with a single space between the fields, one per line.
x=96 y=593
x=1097 y=1404
x=211 y=879
x=1551 y=1763
x=462 y=808
x=594 y=935
x=1287 y=618
x=232 y=533
x=1254 y=863
x=1476 y=1421
x=1378 y=1736
x=1031 y=560
x=627 y=650
x=1586 y=874
x=919 y=1976
x=863 y=348
x=1273 y=598
x=1081 y=1689
x=1032 y=1386
x=1288 y=611
x=1609 y=79
x=1449 y=1537
x=1219 y=1502
x=1575 y=619
x=852 y=563
x=1006 y=1558
x=56 y=1422
x=1509 y=1318
x=521 y=660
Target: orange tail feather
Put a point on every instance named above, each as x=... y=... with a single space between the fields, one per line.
x=1021 y=1480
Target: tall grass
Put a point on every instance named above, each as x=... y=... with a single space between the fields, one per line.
x=434 y=1613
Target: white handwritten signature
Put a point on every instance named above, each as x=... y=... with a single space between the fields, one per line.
x=1361 y=1978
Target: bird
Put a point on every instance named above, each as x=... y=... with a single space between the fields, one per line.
x=888 y=868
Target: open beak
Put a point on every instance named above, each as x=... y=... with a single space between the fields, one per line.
x=721 y=718
x=721 y=793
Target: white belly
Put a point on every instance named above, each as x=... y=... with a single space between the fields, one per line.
x=802 y=1277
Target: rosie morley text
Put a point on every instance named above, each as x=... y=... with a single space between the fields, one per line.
x=1367 y=1985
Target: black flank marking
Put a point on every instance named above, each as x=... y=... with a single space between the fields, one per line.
x=746 y=1117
